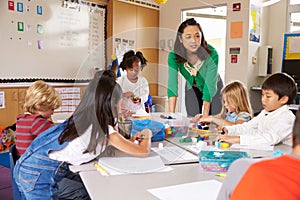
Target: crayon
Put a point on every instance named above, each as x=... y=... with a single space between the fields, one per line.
x=221 y=174
x=101 y=169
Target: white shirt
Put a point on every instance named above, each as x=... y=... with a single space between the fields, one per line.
x=139 y=89
x=73 y=152
x=266 y=128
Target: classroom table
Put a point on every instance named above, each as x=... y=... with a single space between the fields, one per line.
x=135 y=186
x=254 y=153
x=186 y=169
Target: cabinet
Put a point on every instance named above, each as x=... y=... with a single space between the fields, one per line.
x=141 y=25
x=14 y=100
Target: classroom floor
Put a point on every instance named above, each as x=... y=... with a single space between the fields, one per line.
x=5 y=184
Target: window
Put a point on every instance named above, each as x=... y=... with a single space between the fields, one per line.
x=294 y=2
x=293 y=24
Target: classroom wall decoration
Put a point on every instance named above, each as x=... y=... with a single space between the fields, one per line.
x=291 y=46
x=145 y=3
x=51 y=39
x=255 y=29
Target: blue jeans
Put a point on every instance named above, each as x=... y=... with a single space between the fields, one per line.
x=35 y=173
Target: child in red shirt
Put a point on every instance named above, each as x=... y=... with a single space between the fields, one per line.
x=40 y=102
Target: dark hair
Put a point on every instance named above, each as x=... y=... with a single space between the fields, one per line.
x=296 y=129
x=131 y=57
x=98 y=108
x=180 y=50
x=282 y=84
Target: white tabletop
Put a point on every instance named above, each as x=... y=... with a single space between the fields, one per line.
x=134 y=186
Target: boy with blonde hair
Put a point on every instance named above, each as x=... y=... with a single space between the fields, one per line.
x=40 y=102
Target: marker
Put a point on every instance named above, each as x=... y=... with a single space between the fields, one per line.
x=101 y=169
x=221 y=174
x=200 y=130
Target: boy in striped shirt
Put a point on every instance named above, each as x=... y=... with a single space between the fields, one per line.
x=40 y=102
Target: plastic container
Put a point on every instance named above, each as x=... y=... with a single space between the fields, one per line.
x=157 y=128
x=219 y=161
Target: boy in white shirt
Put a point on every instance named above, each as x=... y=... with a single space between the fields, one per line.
x=274 y=124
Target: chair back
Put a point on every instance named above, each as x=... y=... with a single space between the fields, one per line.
x=13 y=157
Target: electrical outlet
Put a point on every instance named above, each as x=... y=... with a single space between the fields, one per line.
x=254 y=59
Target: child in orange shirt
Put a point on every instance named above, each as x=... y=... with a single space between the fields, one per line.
x=276 y=178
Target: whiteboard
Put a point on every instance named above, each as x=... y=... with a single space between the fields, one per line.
x=49 y=39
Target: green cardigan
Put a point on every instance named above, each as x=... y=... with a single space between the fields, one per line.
x=206 y=78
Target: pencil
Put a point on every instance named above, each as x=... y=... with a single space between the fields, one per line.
x=221 y=174
x=101 y=169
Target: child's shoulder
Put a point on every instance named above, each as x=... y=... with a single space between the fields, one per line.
x=244 y=114
x=28 y=116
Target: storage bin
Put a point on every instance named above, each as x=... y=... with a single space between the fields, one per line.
x=4 y=159
x=219 y=161
x=157 y=128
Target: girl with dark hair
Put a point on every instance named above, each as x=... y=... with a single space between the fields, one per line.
x=80 y=139
x=197 y=62
x=135 y=87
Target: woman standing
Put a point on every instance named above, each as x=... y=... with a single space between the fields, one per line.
x=197 y=62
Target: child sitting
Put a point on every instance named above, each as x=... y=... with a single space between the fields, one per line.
x=236 y=107
x=274 y=124
x=135 y=87
x=80 y=139
x=265 y=177
x=40 y=102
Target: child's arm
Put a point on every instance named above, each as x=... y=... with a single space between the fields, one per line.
x=144 y=90
x=141 y=150
x=264 y=129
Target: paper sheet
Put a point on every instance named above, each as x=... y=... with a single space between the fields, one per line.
x=256 y=147
x=174 y=154
x=140 y=113
x=207 y=190
x=132 y=165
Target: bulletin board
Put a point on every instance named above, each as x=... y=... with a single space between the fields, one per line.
x=291 y=55
x=291 y=46
x=51 y=39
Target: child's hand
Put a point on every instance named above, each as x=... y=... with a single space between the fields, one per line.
x=144 y=134
x=224 y=131
x=128 y=94
x=196 y=118
x=205 y=120
x=227 y=138
x=136 y=99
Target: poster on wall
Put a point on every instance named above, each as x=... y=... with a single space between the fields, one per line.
x=255 y=23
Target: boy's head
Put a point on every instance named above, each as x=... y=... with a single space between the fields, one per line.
x=41 y=99
x=296 y=130
x=277 y=90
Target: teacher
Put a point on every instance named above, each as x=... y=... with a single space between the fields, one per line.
x=197 y=62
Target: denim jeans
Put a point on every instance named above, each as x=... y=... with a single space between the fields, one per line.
x=35 y=173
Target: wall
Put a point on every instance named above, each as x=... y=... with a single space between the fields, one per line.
x=139 y=24
x=172 y=10
x=273 y=22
